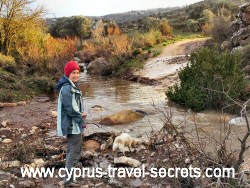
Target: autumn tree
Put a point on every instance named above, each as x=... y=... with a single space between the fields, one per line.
x=75 y=26
x=151 y=23
x=208 y=19
x=15 y=17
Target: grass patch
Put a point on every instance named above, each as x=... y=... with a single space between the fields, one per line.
x=133 y=64
x=15 y=88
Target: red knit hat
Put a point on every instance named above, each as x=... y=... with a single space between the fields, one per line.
x=71 y=66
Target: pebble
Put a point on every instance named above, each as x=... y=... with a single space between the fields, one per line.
x=187 y=160
x=165 y=160
x=99 y=184
x=23 y=135
x=152 y=154
x=7 y=141
x=85 y=186
x=27 y=183
x=3 y=136
x=115 y=183
x=127 y=161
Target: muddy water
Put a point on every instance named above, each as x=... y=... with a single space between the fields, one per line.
x=114 y=95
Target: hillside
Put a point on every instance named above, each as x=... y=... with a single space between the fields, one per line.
x=136 y=14
x=238 y=2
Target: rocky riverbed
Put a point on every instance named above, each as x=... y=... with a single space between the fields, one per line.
x=28 y=139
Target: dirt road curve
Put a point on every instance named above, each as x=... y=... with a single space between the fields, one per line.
x=164 y=68
x=183 y=47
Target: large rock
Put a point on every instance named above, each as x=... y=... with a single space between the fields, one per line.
x=226 y=45
x=122 y=117
x=245 y=13
x=247 y=69
x=100 y=67
x=242 y=34
x=234 y=26
x=246 y=17
x=245 y=42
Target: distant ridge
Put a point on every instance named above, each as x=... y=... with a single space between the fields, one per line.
x=238 y=2
x=136 y=14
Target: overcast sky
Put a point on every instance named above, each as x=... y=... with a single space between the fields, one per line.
x=59 y=8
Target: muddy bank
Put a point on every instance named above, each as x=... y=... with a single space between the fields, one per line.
x=162 y=149
x=31 y=128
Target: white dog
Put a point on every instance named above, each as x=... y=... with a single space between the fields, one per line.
x=123 y=141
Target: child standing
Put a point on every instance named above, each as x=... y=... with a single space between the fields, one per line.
x=70 y=119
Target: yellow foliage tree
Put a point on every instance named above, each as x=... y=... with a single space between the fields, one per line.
x=15 y=18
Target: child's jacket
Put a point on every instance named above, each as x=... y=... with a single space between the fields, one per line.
x=70 y=108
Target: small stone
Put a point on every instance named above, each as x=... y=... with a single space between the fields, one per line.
x=32 y=131
x=127 y=161
x=12 y=186
x=27 y=183
x=34 y=128
x=152 y=154
x=85 y=186
x=136 y=183
x=3 y=136
x=7 y=141
x=23 y=135
x=33 y=165
x=21 y=103
x=99 y=184
x=15 y=163
x=115 y=183
x=187 y=160
x=5 y=123
x=1 y=139
x=7 y=175
x=39 y=162
x=54 y=113
x=165 y=160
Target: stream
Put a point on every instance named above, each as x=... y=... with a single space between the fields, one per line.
x=104 y=96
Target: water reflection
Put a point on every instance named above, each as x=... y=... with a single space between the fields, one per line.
x=117 y=91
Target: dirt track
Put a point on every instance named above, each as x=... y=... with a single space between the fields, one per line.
x=164 y=68
x=183 y=47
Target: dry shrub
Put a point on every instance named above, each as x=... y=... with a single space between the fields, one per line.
x=207 y=29
x=120 y=45
x=165 y=28
x=220 y=30
x=113 y=30
x=49 y=54
x=116 y=45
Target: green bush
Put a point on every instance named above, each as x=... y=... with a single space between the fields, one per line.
x=146 y=40
x=206 y=79
x=43 y=84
